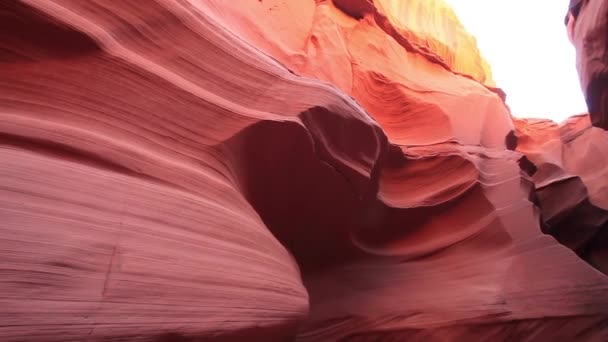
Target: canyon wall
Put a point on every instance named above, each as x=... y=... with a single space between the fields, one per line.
x=271 y=170
x=589 y=34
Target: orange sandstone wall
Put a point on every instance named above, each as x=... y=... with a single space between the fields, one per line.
x=432 y=24
x=273 y=170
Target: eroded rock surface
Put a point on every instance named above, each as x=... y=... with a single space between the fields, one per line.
x=278 y=170
x=571 y=178
x=590 y=37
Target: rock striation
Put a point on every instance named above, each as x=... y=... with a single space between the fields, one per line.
x=271 y=170
x=570 y=177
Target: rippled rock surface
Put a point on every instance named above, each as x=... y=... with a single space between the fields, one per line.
x=272 y=170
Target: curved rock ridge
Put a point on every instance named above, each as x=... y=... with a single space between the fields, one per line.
x=570 y=177
x=404 y=87
x=467 y=255
x=273 y=170
x=123 y=215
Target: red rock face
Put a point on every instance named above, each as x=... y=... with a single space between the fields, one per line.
x=283 y=170
x=590 y=37
x=571 y=182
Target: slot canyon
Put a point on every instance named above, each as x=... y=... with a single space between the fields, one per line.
x=290 y=170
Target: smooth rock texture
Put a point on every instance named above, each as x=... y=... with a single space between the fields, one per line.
x=590 y=38
x=265 y=170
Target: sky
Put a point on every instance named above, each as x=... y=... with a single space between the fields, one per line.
x=532 y=60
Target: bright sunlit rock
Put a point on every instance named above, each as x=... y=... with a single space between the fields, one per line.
x=532 y=60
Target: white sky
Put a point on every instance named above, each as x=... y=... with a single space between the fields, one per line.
x=532 y=60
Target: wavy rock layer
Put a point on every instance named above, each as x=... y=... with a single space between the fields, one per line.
x=571 y=182
x=124 y=212
x=166 y=177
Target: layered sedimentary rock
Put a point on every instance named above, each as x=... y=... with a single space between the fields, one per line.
x=571 y=176
x=275 y=170
x=432 y=28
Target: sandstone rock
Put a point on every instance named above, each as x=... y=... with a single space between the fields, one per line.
x=590 y=37
x=278 y=170
x=571 y=182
